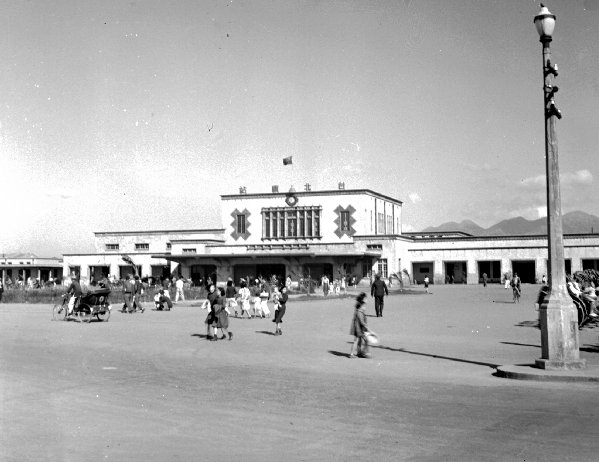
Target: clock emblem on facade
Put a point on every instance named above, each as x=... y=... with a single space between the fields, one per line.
x=291 y=200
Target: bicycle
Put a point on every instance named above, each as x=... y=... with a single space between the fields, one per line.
x=94 y=303
x=516 y=293
x=60 y=310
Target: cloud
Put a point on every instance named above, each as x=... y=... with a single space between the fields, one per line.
x=407 y=228
x=414 y=197
x=581 y=177
x=478 y=167
x=567 y=179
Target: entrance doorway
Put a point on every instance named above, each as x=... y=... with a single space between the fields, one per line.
x=455 y=272
x=492 y=268
x=588 y=263
x=99 y=272
x=316 y=270
x=203 y=274
x=160 y=272
x=422 y=269
x=526 y=270
x=124 y=270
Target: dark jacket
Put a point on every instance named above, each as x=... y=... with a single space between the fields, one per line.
x=359 y=323
x=283 y=299
x=75 y=288
x=230 y=291
x=379 y=288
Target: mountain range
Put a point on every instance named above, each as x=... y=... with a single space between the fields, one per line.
x=573 y=223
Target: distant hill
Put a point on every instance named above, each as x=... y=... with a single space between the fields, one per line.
x=573 y=223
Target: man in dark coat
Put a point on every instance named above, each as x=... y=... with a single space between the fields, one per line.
x=378 y=290
x=75 y=291
x=128 y=291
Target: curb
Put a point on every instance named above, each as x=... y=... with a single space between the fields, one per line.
x=530 y=372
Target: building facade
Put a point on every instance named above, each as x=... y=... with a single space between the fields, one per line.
x=309 y=234
x=25 y=266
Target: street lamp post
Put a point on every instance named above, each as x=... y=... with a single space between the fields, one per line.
x=558 y=316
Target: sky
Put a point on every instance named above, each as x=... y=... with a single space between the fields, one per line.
x=135 y=115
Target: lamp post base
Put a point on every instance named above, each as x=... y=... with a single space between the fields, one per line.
x=559 y=333
x=557 y=365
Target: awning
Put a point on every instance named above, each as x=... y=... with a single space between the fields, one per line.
x=193 y=258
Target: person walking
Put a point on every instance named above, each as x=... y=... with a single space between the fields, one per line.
x=128 y=291
x=325 y=285
x=75 y=291
x=280 y=311
x=255 y=299
x=244 y=299
x=507 y=280
x=516 y=288
x=211 y=320
x=222 y=317
x=264 y=297
x=484 y=279
x=138 y=289
x=179 y=290
x=359 y=327
x=426 y=283
x=230 y=295
x=378 y=290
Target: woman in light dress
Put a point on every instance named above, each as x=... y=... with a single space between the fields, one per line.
x=264 y=297
x=244 y=299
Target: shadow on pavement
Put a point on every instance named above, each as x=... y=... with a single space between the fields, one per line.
x=590 y=348
x=449 y=358
x=521 y=344
x=534 y=323
x=265 y=332
x=503 y=301
x=338 y=353
x=199 y=335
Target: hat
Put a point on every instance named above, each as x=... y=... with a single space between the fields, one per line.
x=360 y=298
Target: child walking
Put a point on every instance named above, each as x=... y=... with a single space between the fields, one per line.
x=280 y=311
x=359 y=327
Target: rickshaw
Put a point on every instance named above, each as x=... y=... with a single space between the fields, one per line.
x=92 y=304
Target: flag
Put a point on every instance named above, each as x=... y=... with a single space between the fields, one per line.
x=288 y=160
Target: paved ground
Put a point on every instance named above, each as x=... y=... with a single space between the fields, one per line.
x=150 y=387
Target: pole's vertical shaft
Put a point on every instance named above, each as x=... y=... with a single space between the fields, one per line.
x=558 y=316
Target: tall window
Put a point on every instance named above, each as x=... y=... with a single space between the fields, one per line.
x=380 y=223
x=302 y=224
x=344 y=221
x=382 y=267
x=389 y=224
x=275 y=227
x=241 y=224
x=365 y=270
x=291 y=223
x=282 y=224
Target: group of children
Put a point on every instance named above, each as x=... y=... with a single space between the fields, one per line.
x=224 y=301
x=221 y=301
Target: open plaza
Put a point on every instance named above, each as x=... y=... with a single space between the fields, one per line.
x=150 y=387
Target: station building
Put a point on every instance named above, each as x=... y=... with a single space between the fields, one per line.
x=307 y=234
x=25 y=266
